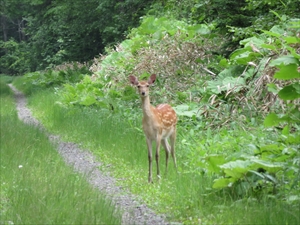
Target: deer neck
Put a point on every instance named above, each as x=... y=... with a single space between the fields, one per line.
x=146 y=106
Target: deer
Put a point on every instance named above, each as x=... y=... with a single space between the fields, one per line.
x=159 y=124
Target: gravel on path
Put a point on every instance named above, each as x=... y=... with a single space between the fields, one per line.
x=133 y=211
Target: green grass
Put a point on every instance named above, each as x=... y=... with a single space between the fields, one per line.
x=37 y=187
x=6 y=79
x=187 y=197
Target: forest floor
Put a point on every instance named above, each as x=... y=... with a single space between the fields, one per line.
x=132 y=209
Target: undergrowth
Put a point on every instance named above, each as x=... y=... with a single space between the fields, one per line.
x=238 y=129
x=188 y=197
x=37 y=187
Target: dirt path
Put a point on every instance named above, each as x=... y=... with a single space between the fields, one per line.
x=84 y=162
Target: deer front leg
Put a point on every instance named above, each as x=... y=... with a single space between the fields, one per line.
x=149 y=145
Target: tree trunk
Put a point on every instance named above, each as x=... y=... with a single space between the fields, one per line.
x=4 y=27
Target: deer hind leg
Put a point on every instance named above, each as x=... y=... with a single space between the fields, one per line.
x=173 y=139
x=149 y=145
x=158 y=141
x=166 y=146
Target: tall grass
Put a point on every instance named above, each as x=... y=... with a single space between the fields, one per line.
x=37 y=187
x=185 y=197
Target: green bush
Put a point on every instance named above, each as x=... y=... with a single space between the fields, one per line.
x=15 y=57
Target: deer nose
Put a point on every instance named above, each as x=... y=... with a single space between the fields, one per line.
x=143 y=93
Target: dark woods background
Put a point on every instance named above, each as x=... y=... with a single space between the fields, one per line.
x=36 y=34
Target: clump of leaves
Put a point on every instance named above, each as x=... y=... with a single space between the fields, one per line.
x=262 y=76
x=254 y=76
x=61 y=75
x=177 y=52
x=180 y=63
x=88 y=92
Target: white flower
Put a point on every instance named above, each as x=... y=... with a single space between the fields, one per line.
x=20 y=166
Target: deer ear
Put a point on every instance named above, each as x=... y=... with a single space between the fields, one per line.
x=133 y=80
x=152 y=79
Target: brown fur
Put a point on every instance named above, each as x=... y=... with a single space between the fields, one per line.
x=159 y=124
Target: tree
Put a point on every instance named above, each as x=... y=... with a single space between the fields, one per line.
x=59 y=31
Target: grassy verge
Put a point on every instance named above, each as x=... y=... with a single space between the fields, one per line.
x=186 y=197
x=37 y=187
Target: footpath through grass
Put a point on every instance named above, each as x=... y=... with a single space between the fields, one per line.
x=187 y=197
x=37 y=187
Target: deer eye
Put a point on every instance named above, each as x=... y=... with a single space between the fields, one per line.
x=139 y=86
x=148 y=85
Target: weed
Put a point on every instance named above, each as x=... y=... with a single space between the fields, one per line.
x=37 y=187
x=188 y=196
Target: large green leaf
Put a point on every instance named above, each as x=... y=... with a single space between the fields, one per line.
x=223 y=182
x=293 y=51
x=252 y=41
x=272 y=33
x=275 y=31
x=214 y=162
x=244 y=56
x=271 y=167
x=272 y=120
x=185 y=110
x=88 y=100
x=234 y=84
x=290 y=92
x=284 y=60
x=287 y=72
x=295 y=115
x=71 y=89
x=292 y=40
x=269 y=46
x=236 y=169
x=201 y=29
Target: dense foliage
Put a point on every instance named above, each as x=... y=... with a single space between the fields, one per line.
x=246 y=86
x=233 y=71
x=37 y=34
x=51 y=32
